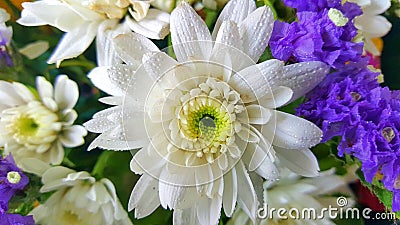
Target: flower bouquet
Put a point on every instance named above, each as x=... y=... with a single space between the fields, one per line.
x=119 y=112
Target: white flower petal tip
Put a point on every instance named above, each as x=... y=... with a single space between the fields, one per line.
x=302 y=162
x=44 y=121
x=303 y=77
x=292 y=132
x=155 y=25
x=79 y=198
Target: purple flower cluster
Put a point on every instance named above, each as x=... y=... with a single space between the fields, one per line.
x=315 y=37
x=12 y=180
x=5 y=59
x=351 y=104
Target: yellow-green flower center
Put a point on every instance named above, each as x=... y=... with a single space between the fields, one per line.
x=13 y=177
x=31 y=125
x=206 y=123
x=25 y=126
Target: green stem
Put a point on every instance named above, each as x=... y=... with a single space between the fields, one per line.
x=101 y=163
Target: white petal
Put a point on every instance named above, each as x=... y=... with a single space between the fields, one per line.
x=55 y=173
x=190 y=35
x=155 y=25
x=104 y=141
x=56 y=153
x=185 y=216
x=236 y=11
x=24 y=93
x=131 y=47
x=208 y=210
x=228 y=48
x=44 y=88
x=9 y=95
x=300 y=161
x=112 y=100
x=75 y=42
x=35 y=49
x=142 y=162
x=99 y=125
x=302 y=77
x=248 y=135
x=33 y=165
x=73 y=136
x=230 y=192
x=170 y=193
x=256 y=31
x=256 y=114
x=326 y=183
x=66 y=92
x=144 y=198
x=158 y=64
x=140 y=9
x=100 y=78
x=247 y=198
x=106 y=54
x=45 y=12
x=278 y=97
x=252 y=82
x=268 y=170
x=257 y=157
x=291 y=132
x=373 y=26
x=376 y=7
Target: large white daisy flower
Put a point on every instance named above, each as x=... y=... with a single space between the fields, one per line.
x=38 y=124
x=83 y=19
x=292 y=193
x=371 y=23
x=206 y=119
x=78 y=199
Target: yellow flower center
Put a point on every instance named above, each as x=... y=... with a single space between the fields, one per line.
x=205 y=122
x=31 y=125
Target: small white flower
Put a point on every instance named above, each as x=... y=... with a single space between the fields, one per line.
x=78 y=199
x=206 y=119
x=38 y=124
x=81 y=21
x=371 y=24
x=293 y=192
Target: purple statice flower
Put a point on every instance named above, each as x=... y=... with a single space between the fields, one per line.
x=12 y=179
x=351 y=104
x=5 y=38
x=5 y=59
x=16 y=219
x=315 y=36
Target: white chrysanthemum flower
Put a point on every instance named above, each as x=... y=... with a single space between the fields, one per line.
x=371 y=24
x=292 y=193
x=83 y=19
x=38 y=124
x=206 y=119
x=78 y=199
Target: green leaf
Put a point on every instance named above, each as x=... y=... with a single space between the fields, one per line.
x=385 y=196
